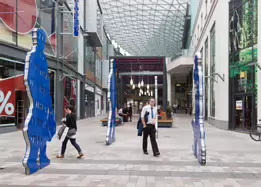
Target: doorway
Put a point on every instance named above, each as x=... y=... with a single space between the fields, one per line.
x=243 y=109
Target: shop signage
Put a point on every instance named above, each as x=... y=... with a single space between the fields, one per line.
x=76 y=19
x=9 y=86
x=98 y=91
x=7 y=100
x=89 y=88
x=239 y=105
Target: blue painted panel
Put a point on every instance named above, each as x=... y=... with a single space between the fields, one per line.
x=40 y=125
x=199 y=145
x=76 y=19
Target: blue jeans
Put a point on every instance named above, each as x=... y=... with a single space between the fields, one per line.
x=73 y=142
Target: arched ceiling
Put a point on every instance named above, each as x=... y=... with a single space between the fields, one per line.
x=146 y=27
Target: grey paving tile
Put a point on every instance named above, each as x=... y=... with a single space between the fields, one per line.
x=123 y=164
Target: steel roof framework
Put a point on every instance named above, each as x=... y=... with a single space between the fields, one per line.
x=146 y=27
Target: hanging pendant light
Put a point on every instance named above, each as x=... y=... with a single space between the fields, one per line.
x=131 y=81
x=139 y=94
x=133 y=86
x=148 y=91
x=148 y=86
x=139 y=85
x=145 y=93
x=151 y=93
x=142 y=83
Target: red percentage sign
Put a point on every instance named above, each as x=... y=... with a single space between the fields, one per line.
x=8 y=107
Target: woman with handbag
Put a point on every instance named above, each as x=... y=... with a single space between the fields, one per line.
x=71 y=135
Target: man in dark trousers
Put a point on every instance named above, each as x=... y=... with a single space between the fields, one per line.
x=130 y=112
x=125 y=113
x=148 y=117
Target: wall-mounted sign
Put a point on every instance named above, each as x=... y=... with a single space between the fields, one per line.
x=76 y=19
x=89 y=88
x=239 y=104
x=98 y=91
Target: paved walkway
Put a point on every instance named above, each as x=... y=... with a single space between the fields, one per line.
x=233 y=159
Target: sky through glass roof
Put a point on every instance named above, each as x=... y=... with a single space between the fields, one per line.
x=146 y=27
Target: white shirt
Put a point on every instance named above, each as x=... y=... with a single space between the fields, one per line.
x=147 y=108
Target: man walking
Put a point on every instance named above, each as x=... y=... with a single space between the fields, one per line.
x=148 y=116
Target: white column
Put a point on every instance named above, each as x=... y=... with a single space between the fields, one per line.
x=78 y=98
x=173 y=89
x=169 y=88
x=259 y=60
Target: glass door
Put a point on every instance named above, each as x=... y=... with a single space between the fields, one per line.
x=243 y=111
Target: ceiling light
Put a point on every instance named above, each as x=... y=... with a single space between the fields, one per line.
x=131 y=82
x=142 y=83
x=133 y=86
x=151 y=93
x=148 y=86
x=139 y=85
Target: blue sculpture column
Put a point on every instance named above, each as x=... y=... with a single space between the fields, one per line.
x=199 y=145
x=40 y=125
x=112 y=102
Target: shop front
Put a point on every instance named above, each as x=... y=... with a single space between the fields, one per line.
x=242 y=57
x=98 y=101
x=14 y=102
x=89 y=101
x=70 y=93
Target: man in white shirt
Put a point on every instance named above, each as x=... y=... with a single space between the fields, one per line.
x=148 y=117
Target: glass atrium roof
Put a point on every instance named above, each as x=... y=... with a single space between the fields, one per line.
x=146 y=27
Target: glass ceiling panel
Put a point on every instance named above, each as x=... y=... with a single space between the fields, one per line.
x=146 y=27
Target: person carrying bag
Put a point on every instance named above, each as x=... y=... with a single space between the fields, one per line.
x=71 y=133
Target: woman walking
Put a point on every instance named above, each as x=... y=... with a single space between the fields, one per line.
x=71 y=135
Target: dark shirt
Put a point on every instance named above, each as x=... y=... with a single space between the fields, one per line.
x=125 y=111
x=130 y=110
x=71 y=121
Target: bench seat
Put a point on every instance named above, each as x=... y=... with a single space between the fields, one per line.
x=105 y=122
x=165 y=123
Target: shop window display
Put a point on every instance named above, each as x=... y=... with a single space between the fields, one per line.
x=14 y=103
x=243 y=53
x=70 y=92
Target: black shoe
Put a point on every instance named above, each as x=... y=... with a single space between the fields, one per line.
x=157 y=154
x=146 y=152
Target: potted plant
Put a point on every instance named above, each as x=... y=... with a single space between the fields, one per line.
x=168 y=112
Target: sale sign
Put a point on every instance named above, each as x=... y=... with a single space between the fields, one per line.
x=8 y=88
x=7 y=103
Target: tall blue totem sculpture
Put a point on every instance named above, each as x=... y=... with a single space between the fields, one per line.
x=40 y=125
x=199 y=145
x=112 y=101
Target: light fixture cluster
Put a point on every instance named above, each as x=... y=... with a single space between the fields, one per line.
x=145 y=92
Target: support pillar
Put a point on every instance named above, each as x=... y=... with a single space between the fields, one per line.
x=169 y=89
x=173 y=91
x=259 y=72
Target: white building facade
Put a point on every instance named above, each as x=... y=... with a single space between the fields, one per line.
x=225 y=34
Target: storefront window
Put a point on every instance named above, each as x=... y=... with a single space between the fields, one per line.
x=89 y=62
x=31 y=14
x=242 y=57
x=69 y=42
x=212 y=70
x=98 y=71
x=70 y=93
x=14 y=103
x=206 y=79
